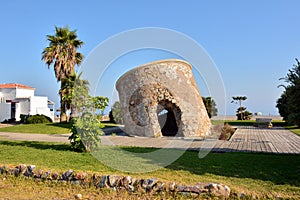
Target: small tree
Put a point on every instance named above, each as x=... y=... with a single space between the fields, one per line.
x=210 y=106
x=115 y=115
x=86 y=128
x=241 y=113
x=100 y=103
x=86 y=131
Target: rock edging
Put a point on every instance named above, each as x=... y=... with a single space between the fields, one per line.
x=118 y=183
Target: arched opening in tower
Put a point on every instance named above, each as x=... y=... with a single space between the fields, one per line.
x=169 y=118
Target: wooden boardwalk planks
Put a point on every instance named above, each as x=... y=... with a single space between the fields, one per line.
x=253 y=139
x=245 y=139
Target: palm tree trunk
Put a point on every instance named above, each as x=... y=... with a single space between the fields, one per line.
x=73 y=112
x=63 y=115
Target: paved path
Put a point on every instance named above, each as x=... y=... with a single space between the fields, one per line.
x=245 y=139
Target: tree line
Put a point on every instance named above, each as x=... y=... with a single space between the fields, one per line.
x=289 y=102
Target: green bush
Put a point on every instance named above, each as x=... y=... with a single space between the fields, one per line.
x=23 y=118
x=115 y=115
x=86 y=131
x=38 y=119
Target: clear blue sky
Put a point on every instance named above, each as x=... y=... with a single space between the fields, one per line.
x=253 y=43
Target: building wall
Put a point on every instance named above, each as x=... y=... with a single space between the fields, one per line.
x=39 y=105
x=8 y=93
x=22 y=108
x=27 y=103
x=5 y=111
x=22 y=93
x=1 y=98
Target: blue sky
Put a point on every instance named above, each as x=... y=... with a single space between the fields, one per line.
x=253 y=43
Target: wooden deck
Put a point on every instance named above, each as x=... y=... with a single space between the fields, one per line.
x=252 y=139
x=245 y=139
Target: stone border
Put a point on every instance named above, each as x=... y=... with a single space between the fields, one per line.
x=118 y=183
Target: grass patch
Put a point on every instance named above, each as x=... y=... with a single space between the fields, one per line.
x=240 y=122
x=251 y=122
x=250 y=173
x=48 y=128
x=294 y=129
x=109 y=125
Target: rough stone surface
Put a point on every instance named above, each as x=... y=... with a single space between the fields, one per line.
x=67 y=175
x=78 y=196
x=80 y=175
x=29 y=170
x=167 y=85
x=120 y=183
x=218 y=189
x=113 y=180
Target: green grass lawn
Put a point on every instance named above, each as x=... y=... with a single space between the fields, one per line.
x=263 y=175
x=49 y=128
x=251 y=122
x=294 y=129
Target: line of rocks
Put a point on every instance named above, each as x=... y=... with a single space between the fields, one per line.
x=118 y=183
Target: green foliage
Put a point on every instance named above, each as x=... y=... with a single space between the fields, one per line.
x=86 y=131
x=210 y=106
x=38 y=119
x=100 y=103
x=241 y=113
x=289 y=103
x=115 y=115
x=239 y=98
x=282 y=105
x=66 y=90
x=23 y=118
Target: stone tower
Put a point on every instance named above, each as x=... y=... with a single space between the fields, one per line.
x=161 y=98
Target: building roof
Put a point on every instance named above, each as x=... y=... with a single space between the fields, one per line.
x=15 y=86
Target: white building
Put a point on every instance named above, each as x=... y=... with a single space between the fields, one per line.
x=17 y=99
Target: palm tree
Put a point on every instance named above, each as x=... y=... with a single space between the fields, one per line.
x=75 y=93
x=242 y=112
x=62 y=53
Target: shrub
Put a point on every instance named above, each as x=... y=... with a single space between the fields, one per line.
x=23 y=118
x=226 y=132
x=38 y=119
x=86 y=131
x=115 y=115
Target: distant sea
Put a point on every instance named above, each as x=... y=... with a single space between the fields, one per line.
x=232 y=117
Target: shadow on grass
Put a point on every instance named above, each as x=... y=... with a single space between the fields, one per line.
x=279 y=169
x=38 y=145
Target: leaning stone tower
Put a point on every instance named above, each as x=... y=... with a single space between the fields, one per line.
x=161 y=98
